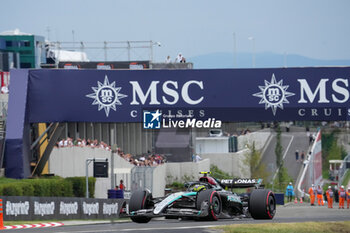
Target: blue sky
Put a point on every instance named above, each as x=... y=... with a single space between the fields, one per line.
x=313 y=28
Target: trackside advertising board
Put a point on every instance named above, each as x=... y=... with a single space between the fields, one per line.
x=47 y=208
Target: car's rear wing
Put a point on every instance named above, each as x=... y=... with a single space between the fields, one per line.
x=240 y=183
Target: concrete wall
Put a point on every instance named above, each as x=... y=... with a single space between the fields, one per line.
x=212 y=145
x=70 y=162
x=232 y=163
x=260 y=139
x=180 y=171
x=159 y=181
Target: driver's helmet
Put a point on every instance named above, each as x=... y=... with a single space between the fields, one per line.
x=198 y=187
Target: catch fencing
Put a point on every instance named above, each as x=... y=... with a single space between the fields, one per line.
x=141 y=178
x=344 y=168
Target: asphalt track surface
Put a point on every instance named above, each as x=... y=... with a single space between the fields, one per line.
x=289 y=213
x=291 y=142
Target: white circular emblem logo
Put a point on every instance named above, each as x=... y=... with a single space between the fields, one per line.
x=106 y=96
x=273 y=94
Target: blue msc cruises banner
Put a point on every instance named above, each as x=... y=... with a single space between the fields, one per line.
x=228 y=95
x=281 y=94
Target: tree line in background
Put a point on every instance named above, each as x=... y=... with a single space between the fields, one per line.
x=331 y=150
x=259 y=170
x=282 y=179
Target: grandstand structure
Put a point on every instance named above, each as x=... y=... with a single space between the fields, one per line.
x=104 y=51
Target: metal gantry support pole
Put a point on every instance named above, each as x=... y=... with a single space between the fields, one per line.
x=112 y=160
x=129 y=48
x=151 y=47
x=85 y=134
x=92 y=131
x=82 y=50
x=40 y=137
x=88 y=161
x=58 y=54
x=105 y=49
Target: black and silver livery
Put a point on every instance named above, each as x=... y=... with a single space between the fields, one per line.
x=208 y=199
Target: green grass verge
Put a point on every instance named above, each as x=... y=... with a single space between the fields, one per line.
x=346 y=178
x=289 y=227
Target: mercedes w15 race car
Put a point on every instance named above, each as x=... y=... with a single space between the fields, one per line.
x=206 y=199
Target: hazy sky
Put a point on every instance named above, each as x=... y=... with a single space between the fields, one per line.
x=313 y=28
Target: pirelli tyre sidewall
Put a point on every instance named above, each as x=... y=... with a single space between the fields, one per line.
x=262 y=204
x=214 y=203
x=139 y=200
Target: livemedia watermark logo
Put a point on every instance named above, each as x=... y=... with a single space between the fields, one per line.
x=152 y=119
x=156 y=119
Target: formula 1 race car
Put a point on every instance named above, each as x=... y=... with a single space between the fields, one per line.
x=206 y=199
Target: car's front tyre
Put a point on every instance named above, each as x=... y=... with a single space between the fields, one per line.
x=139 y=200
x=262 y=204
x=214 y=203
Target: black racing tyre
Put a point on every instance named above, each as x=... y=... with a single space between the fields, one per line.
x=262 y=204
x=214 y=203
x=139 y=200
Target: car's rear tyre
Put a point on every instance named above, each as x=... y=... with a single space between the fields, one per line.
x=214 y=203
x=262 y=204
x=139 y=200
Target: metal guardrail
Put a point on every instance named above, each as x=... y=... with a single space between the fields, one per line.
x=341 y=173
x=171 y=65
x=308 y=164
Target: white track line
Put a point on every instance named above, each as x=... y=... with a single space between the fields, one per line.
x=284 y=156
x=146 y=229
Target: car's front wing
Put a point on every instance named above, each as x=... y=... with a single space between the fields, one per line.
x=174 y=212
